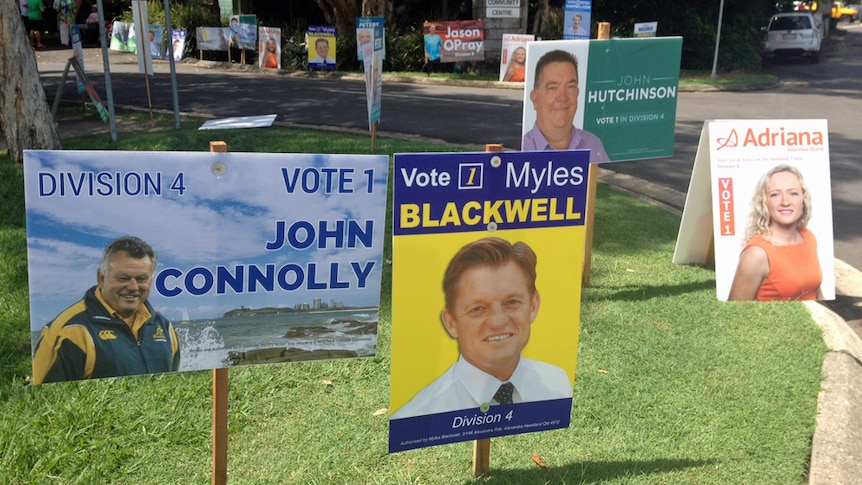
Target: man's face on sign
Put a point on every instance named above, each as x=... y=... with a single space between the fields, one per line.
x=555 y=95
x=491 y=316
x=322 y=47
x=126 y=284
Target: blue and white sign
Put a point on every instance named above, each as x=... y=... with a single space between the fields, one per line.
x=256 y=252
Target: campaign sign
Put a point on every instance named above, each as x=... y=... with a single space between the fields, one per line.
x=366 y=38
x=120 y=36
x=213 y=38
x=627 y=92
x=178 y=45
x=261 y=257
x=138 y=33
x=269 y=48
x=154 y=44
x=454 y=41
x=321 y=43
x=645 y=29
x=243 y=31
x=514 y=45
x=488 y=254
x=576 y=22
x=370 y=42
x=753 y=170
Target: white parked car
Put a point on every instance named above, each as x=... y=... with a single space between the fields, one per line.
x=792 y=34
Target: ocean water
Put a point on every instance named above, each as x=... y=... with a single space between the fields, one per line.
x=205 y=344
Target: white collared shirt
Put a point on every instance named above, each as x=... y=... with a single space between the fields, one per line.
x=463 y=386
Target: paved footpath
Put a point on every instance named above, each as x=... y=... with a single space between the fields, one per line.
x=836 y=457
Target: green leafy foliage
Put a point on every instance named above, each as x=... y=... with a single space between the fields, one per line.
x=696 y=21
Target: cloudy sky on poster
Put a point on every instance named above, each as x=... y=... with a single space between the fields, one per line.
x=218 y=220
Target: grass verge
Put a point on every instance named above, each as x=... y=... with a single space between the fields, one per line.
x=686 y=77
x=672 y=385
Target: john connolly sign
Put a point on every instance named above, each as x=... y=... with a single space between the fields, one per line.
x=261 y=257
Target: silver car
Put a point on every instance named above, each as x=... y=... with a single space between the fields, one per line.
x=792 y=34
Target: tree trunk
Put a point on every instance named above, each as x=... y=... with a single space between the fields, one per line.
x=341 y=13
x=25 y=119
x=542 y=10
x=376 y=8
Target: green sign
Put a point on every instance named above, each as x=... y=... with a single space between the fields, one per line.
x=630 y=95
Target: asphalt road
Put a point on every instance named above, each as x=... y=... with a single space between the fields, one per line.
x=474 y=116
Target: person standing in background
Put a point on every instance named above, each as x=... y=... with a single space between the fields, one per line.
x=66 y=13
x=37 y=23
x=25 y=13
x=433 y=44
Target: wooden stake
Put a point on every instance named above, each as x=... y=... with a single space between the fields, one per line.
x=150 y=101
x=481 y=457
x=592 y=184
x=373 y=134
x=220 y=388
x=590 y=210
x=604 y=32
x=482 y=447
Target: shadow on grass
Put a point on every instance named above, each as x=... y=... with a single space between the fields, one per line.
x=647 y=292
x=14 y=324
x=597 y=471
x=11 y=194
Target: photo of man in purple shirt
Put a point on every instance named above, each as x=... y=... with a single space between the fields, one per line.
x=555 y=99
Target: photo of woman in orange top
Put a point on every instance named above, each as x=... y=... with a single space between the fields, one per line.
x=517 y=68
x=779 y=260
x=270 y=54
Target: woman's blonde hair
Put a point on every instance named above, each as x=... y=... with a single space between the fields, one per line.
x=758 y=219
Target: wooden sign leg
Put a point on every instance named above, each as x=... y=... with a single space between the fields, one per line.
x=482 y=447
x=590 y=215
x=481 y=457
x=604 y=32
x=220 y=388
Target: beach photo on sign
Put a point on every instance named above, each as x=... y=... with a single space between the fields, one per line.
x=217 y=259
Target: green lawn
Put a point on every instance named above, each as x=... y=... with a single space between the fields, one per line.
x=672 y=385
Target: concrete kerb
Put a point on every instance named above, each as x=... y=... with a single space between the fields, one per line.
x=452 y=82
x=355 y=76
x=836 y=448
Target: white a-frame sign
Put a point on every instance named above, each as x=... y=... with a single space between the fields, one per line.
x=760 y=200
